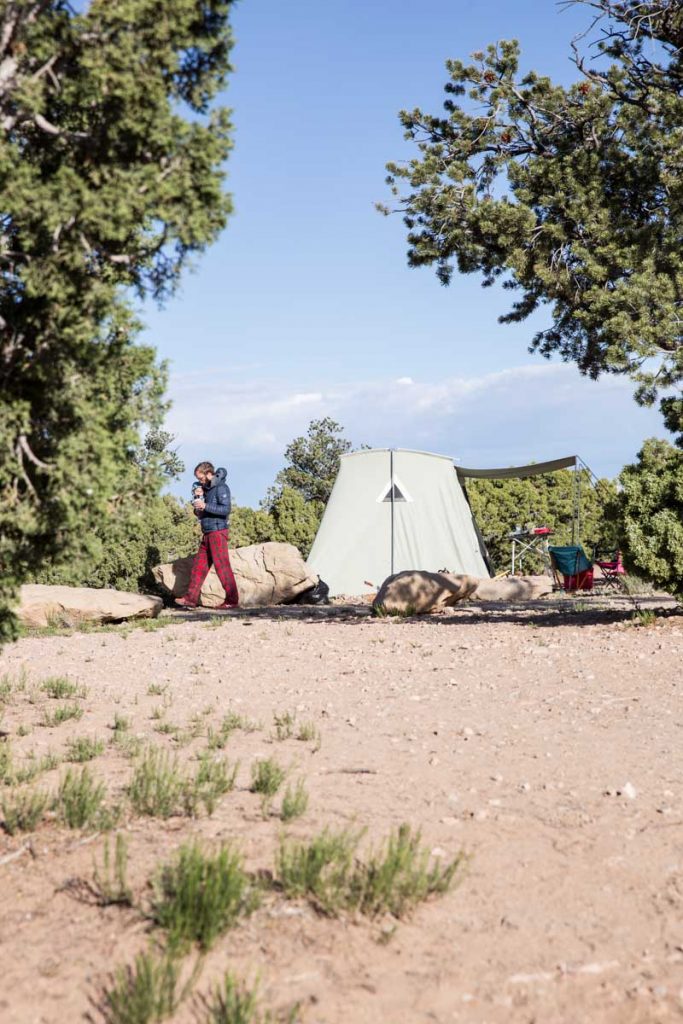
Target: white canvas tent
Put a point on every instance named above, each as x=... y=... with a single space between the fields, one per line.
x=392 y=509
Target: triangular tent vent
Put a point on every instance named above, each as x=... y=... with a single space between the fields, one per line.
x=397 y=489
x=397 y=494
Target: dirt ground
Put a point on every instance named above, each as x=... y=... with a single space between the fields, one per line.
x=548 y=746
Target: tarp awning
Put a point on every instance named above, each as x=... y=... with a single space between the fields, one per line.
x=514 y=472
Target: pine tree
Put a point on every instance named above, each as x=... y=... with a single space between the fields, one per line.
x=111 y=178
x=572 y=197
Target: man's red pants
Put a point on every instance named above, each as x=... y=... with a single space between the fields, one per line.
x=213 y=550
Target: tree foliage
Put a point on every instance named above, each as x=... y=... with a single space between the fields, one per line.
x=651 y=515
x=141 y=528
x=313 y=463
x=501 y=506
x=572 y=197
x=110 y=180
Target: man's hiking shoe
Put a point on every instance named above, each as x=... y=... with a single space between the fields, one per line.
x=224 y=607
x=182 y=602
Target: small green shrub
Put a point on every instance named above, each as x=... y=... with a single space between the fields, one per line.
x=319 y=869
x=6 y=762
x=267 y=776
x=644 y=617
x=23 y=809
x=110 y=881
x=83 y=749
x=35 y=766
x=393 y=880
x=145 y=993
x=121 y=723
x=294 y=802
x=59 y=688
x=157 y=786
x=232 y=1002
x=400 y=876
x=307 y=732
x=213 y=778
x=80 y=799
x=284 y=725
x=200 y=894
x=61 y=714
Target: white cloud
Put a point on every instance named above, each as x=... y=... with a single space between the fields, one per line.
x=512 y=415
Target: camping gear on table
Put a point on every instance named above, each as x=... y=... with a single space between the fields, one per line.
x=572 y=564
x=528 y=540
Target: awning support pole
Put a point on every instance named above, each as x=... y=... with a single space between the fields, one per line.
x=391 y=492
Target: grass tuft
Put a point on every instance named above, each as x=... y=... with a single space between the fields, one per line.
x=83 y=749
x=23 y=809
x=110 y=881
x=60 y=688
x=61 y=714
x=294 y=802
x=200 y=894
x=284 y=726
x=393 y=880
x=144 y=993
x=157 y=785
x=80 y=800
x=231 y=1002
x=214 y=777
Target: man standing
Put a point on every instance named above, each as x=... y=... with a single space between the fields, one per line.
x=213 y=511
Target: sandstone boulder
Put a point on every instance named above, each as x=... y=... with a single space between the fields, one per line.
x=41 y=605
x=266 y=574
x=417 y=592
x=514 y=588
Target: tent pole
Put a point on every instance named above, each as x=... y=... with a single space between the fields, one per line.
x=391 y=492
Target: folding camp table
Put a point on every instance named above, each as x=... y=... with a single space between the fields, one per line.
x=527 y=540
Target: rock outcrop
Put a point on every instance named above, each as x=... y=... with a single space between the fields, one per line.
x=266 y=574
x=415 y=592
x=41 y=605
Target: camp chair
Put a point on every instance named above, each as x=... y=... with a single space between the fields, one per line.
x=571 y=568
x=611 y=567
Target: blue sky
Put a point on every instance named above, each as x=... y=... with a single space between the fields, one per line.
x=305 y=307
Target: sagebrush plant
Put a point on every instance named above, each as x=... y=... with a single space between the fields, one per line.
x=200 y=894
x=23 y=809
x=6 y=762
x=61 y=714
x=391 y=880
x=214 y=777
x=157 y=785
x=110 y=879
x=34 y=766
x=294 y=802
x=284 y=725
x=80 y=799
x=145 y=992
x=84 y=748
x=60 y=687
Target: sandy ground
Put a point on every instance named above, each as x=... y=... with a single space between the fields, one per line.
x=546 y=746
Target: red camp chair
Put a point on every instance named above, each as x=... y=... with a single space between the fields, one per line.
x=611 y=567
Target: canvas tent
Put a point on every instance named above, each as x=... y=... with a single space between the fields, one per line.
x=393 y=509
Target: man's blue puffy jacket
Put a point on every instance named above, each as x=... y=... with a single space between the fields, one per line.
x=216 y=514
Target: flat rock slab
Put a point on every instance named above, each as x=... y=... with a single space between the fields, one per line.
x=513 y=588
x=41 y=605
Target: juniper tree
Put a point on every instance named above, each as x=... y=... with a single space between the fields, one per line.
x=111 y=178
x=571 y=197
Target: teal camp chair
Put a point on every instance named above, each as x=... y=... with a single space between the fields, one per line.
x=572 y=564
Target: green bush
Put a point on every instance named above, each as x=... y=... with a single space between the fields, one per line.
x=132 y=540
x=547 y=500
x=651 y=515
